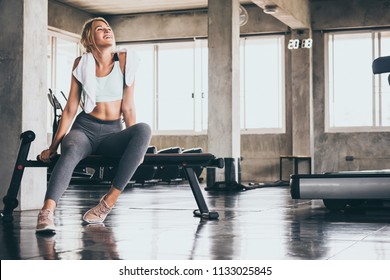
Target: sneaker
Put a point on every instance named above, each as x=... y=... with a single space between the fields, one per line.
x=45 y=222
x=98 y=213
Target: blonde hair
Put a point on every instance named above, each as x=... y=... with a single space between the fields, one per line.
x=87 y=38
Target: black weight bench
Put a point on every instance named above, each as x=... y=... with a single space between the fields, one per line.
x=186 y=161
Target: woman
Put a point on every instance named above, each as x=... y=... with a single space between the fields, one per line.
x=105 y=81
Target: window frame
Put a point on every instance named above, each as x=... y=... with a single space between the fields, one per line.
x=53 y=35
x=156 y=45
x=376 y=82
x=282 y=129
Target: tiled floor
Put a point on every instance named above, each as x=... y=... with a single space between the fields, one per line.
x=155 y=222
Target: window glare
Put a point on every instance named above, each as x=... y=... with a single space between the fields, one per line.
x=352 y=80
x=144 y=85
x=67 y=51
x=175 y=87
x=62 y=50
x=262 y=84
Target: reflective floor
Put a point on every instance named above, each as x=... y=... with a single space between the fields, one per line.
x=156 y=223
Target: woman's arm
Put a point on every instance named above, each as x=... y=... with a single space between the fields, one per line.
x=128 y=103
x=128 y=106
x=67 y=117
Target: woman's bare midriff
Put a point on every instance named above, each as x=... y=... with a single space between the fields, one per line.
x=107 y=111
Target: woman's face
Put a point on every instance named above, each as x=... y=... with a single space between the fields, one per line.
x=103 y=35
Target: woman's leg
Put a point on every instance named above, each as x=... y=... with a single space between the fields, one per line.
x=131 y=144
x=75 y=147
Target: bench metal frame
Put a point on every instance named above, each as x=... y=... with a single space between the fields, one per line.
x=187 y=161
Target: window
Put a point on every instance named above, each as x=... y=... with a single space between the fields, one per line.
x=172 y=85
x=175 y=93
x=62 y=51
x=262 y=84
x=145 y=87
x=356 y=100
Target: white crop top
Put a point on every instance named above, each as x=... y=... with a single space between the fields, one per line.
x=85 y=74
x=110 y=87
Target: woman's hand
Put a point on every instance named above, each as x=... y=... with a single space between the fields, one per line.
x=47 y=155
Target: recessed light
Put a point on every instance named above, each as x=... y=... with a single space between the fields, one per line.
x=270 y=9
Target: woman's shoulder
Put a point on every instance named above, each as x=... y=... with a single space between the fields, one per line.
x=85 y=58
x=122 y=56
x=76 y=62
x=122 y=60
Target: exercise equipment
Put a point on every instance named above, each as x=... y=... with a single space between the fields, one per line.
x=105 y=174
x=168 y=173
x=186 y=161
x=339 y=189
x=57 y=110
x=198 y=170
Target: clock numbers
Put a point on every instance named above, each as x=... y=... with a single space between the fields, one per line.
x=307 y=43
x=294 y=44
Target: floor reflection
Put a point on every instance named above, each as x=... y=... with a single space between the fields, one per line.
x=156 y=223
x=99 y=243
x=317 y=233
x=10 y=240
x=46 y=246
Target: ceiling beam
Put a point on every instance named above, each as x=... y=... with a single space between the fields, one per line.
x=295 y=14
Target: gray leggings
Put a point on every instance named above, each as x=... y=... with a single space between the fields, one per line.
x=89 y=135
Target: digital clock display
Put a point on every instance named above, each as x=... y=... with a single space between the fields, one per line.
x=294 y=44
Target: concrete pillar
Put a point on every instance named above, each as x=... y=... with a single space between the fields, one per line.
x=224 y=81
x=23 y=92
x=301 y=88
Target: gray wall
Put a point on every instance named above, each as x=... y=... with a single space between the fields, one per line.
x=23 y=52
x=11 y=68
x=66 y=18
x=182 y=25
x=23 y=86
x=261 y=152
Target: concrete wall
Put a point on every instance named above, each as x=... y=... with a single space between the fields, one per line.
x=184 y=25
x=336 y=14
x=23 y=89
x=66 y=18
x=23 y=86
x=10 y=88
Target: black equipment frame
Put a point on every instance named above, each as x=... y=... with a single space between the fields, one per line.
x=187 y=161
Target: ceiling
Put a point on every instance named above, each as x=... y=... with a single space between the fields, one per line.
x=115 y=7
